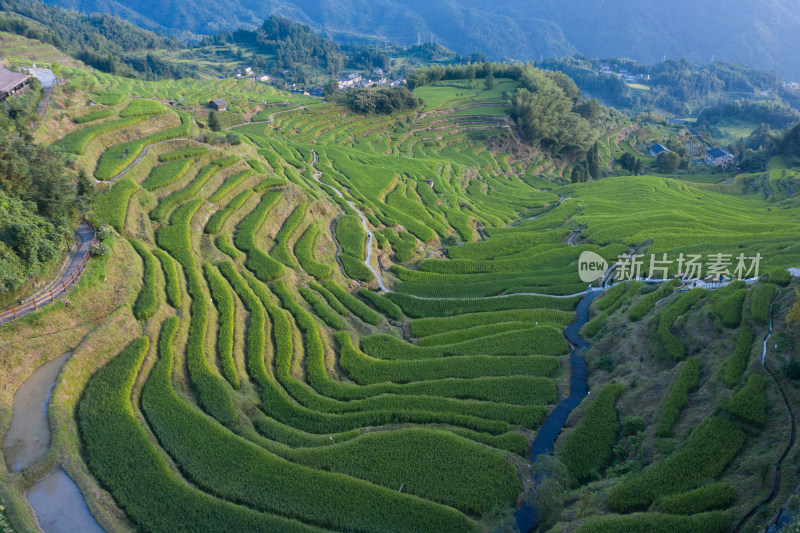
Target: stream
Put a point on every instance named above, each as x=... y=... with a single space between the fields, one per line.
x=56 y=499
x=526 y=516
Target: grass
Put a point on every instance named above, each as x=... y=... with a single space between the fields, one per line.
x=112 y=205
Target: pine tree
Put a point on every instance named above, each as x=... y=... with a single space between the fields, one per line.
x=593 y=161
x=213 y=121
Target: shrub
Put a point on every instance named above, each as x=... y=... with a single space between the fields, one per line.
x=780 y=276
x=729 y=308
x=304 y=250
x=709 y=449
x=112 y=205
x=750 y=402
x=381 y=303
x=589 y=447
x=737 y=362
x=356 y=306
x=672 y=345
x=707 y=498
x=688 y=380
x=146 y=303
x=643 y=306
x=165 y=174
x=761 y=300
x=714 y=522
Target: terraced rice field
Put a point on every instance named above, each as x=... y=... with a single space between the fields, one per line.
x=266 y=389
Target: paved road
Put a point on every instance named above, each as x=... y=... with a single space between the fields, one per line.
x=84 y=235
x=44 y=75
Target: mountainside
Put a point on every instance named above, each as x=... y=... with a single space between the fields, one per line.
x=762 y=33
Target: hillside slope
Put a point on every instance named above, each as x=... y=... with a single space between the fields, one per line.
x=762 y=33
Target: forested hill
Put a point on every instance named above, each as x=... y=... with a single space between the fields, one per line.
x=101 y=41
x=760 y=33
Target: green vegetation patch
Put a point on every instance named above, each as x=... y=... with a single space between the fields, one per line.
x=112 y=205
x=709 y=449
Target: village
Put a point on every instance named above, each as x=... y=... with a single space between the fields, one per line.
x=352 y=80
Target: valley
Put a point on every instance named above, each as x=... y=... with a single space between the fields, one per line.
x=307 y=314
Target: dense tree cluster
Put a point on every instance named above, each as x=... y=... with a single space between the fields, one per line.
x=383 y=100
x=774 y=113
x=39 y=201
x=104 y=42
x=674 y=86
x=285 y=45
x=788 y=146
x=544 y=111
x=468 y=71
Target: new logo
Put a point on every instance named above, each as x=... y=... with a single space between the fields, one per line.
x=591 y=267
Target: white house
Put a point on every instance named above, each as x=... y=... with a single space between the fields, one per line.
x=717 y=157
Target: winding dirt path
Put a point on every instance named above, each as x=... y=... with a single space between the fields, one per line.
x=145 y=151
x=370 y=236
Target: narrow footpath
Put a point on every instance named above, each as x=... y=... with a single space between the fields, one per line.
x=84 y=237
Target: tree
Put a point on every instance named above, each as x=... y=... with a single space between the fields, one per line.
x=628 y=162
x=213 y=122
x=331 y=89
x=579 y=173
x=550 y=487
x=489 y=81
x=667 y=162
x=637 y=167
x=593 y=161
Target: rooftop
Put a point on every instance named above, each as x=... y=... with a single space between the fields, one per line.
x=9 y=80
x=658 y=148
x=718 y=152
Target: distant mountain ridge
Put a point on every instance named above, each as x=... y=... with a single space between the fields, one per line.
x=759 y=33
